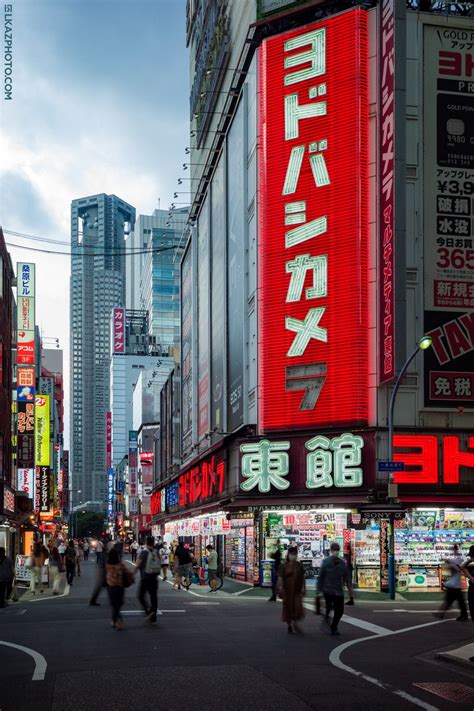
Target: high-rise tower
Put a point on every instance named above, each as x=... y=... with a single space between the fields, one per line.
x=100 y=225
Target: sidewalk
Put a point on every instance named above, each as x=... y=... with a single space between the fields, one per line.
x=462 y=656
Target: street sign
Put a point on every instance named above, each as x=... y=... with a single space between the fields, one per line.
x=391 y=466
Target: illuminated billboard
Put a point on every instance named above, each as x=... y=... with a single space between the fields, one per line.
x=42 y=431
x=313 y=225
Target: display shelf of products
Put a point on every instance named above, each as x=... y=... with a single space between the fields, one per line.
x=366 y=548
x=429 y=548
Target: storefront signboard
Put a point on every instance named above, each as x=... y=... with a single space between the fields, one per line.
x=448 y=178
x=435 y=460
x=26 y=384
x=42 y=431
x=25 y=437
x=43 y=475
x=313 y=464
x=202 y=483
x=313 y=225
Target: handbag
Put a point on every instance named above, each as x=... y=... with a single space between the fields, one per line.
x=127 y=578
x=29 y=562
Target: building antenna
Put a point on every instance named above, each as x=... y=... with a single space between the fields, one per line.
x=158 y=203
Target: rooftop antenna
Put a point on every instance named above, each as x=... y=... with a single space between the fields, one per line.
x=158 y=203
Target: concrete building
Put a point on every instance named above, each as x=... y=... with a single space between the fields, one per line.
x=99 y=226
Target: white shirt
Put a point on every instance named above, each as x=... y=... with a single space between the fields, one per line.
x=454 y=565
x=99 y=547
x=134 y=545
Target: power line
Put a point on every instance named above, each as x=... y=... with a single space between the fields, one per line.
x=47 y=240
x=111 y=253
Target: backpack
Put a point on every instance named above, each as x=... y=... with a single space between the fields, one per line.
x=152 y=565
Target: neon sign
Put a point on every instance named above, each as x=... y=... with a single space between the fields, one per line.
x=425 y=458
x=313 y=267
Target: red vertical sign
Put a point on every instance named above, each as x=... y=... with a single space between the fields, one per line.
x=313 y=233
x=386 y=267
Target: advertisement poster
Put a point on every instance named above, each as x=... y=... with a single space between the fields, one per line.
x=26 y=437
x=313 y=234
x=218 y=264
x=235 y=270
x=26 y=384
x=45 y=490
x=187 y=352
x=203 y=321
x=449 y=217
x=26 y=482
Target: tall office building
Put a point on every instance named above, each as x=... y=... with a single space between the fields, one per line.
x=100 y=225
x=153 y=277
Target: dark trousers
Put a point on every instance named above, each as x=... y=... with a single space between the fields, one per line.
x=99 y=584
x=70 y=570
x=3 y=593
x=98 y=557
x=336 y=603
x=116 y=601
x=454 y=595
x=134 y=555
x=470 y=599
x=149 y=584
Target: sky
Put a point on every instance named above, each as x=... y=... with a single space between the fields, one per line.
x=100 y=104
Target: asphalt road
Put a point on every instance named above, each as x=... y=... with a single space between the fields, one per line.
x=224 y=651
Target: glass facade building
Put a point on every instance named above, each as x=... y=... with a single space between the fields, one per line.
x=153 y=278
x=99 y=226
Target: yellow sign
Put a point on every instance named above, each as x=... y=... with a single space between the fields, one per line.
x=42 y=431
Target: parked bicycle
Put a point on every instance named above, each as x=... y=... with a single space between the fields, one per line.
x=197 y=579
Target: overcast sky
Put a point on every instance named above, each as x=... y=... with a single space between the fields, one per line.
x=100 y=104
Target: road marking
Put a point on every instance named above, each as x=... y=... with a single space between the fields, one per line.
x=205 y=603
x=242 y=592
x=335 y=659
x=40 y=661
x=129 y=613
x=356 y=622
x=51 y=597
x=416 y=612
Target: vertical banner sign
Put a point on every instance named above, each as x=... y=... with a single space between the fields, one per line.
x=45 y=494
x=236 y=227
x=42 y=431
x=448 y=73
x=187 y=352
x=203 y=321
x=118 y=331
x=26 y=435
x=218 y=302
x=110 y=489
x=133 y=462
x=26 y=383
x=386 y=266
x=108 y=440
x=26 y=313
x=384 y=553
x=313 y=272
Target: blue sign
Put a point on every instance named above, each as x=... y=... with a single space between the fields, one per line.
x=121 y=486
x=391 y=466
x=110 y=499
x=172 y=495
x=26 y=393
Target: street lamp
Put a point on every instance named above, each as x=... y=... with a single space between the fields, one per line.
x=424 y=343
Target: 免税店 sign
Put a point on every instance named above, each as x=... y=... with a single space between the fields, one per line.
x=313 y=231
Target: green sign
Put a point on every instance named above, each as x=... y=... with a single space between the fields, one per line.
x=270 y=7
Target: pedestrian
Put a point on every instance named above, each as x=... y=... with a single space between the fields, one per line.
x=184 y=562
x=165 y=560
x=6 y=577
x=212 y=566
x=99 y=549
x=332 y=576
x=78 y=549
x=149 y=565
x=86 y=549
x=62 y=550
x=100 y=582
x=468 y=570
x=173 y=564
x=70 y=556
x=276 y=556
x=133 y=550
x=453 y=587
x=37 y=562
x=291 y=588
x=118 y=577
x=56 y=567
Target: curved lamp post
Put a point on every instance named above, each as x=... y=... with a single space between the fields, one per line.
x=424 y=343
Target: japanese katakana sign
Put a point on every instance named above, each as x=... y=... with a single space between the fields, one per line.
x=313 y=202
x=329 y=463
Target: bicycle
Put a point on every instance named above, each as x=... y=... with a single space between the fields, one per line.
x=198 y=580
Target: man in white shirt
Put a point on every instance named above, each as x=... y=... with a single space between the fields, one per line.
x=165 y=559
x=453 y=586
x=99 y=549
x=133 y=550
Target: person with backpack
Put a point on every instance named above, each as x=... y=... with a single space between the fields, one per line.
x=332 y=576
x=149 y=565
x=184 y=560
x=70 y=556
x=212 y=567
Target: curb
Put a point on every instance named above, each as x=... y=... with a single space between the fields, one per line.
x=461 y=656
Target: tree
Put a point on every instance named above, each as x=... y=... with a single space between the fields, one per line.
x=89 y=524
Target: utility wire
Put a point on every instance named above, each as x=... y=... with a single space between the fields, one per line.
x=47 y=240
x=111 y=253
